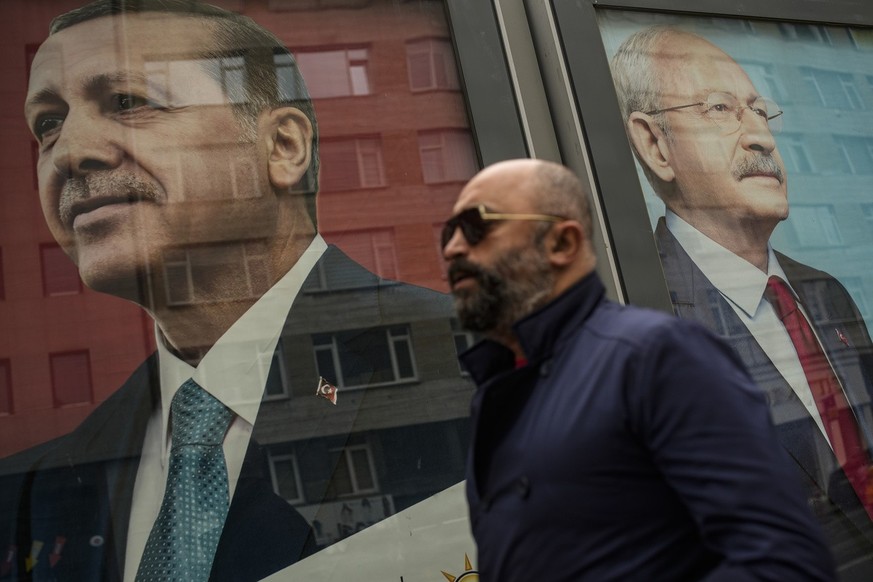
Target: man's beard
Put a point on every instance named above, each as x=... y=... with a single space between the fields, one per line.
x=517 y=284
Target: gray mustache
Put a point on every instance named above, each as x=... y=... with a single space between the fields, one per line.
x=115 y=184
x=758 y=164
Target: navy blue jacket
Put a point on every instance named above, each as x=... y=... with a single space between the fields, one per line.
x=633 y=446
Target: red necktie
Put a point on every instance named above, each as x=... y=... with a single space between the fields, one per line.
x=836 y=414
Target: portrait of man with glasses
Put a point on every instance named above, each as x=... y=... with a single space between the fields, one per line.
x=705 y=139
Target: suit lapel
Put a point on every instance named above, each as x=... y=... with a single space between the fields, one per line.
x=694 y=297
x=263 y=533
x=80 y=492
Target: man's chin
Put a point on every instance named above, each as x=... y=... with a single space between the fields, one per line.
x=125 y=283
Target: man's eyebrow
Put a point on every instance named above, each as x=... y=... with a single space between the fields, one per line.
x=94 y=85
x=97 y=84
x=42 y=97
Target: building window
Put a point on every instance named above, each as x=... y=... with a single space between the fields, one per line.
x=815 y=225
x=431 y=65
x=365 y=357
x=374 y=249
x=765 y=80
x=335 y=73
x=71 y=378
x=351 y=164
x=447 y=155
x=59 y=275
x=834 y=90
x=794 y=154
x=277 y=389
x=857 y=153
x=739 y=25
x=286 y=478
x=867 y=212
x=188 y=271
x=5 y=387
x=354 y=473
x=855 y=287
x=463 y=340
x=860 y=38
x=806 y=32
x=229 y=72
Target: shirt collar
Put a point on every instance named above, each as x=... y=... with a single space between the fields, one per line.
x=537 y=332
x=742 y=283
x=235 y=369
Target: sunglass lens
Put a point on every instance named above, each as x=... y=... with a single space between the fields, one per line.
x=471 y=225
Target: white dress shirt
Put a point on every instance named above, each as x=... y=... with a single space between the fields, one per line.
x=742 y=284
x=234 y=371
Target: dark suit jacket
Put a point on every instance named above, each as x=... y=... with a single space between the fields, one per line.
x=73 y=495
x=847 y=343
x=632 y=447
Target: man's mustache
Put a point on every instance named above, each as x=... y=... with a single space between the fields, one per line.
x=758 y=164
x=117 y=186
x=461 y=267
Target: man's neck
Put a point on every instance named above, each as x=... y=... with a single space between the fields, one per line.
x=190 y=332
x=192 y=328
x=746 y=239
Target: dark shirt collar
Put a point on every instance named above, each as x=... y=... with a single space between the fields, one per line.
x=537 y=332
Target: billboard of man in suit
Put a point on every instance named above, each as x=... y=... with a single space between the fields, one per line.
x=704 y=137
x=178 y=166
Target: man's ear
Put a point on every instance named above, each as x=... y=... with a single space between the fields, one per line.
x=290 y=146
x=565 y=242
x=650 y=143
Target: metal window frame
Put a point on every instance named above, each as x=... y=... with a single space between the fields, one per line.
x=273 y=459
x=595 y=102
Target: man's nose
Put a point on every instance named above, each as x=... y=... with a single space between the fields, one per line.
x=86 y=143
x=457 y=245
x=756 y=134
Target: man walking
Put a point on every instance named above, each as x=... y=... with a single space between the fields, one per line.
x=609 y=442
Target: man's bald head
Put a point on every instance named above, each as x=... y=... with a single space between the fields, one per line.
x=531 y=244
x=548 y=188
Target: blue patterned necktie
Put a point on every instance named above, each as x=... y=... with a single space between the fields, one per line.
x=182 y=543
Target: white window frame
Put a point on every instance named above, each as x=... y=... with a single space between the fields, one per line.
x=392 y=340
x=359 y=82
x=277 y=359
x=189 y=278
x=819 y=31
x=442 y=147
x=793 y=148
x=434 y=48
x=360 y=144
x=827 y=226
x=345 y=456
x=273 y=459
x=850 y=90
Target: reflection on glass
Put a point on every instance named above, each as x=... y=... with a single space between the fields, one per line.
x=180 y=178
x=724 y=204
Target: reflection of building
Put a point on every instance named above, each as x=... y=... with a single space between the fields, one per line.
x=395 y=150
x=822 y=77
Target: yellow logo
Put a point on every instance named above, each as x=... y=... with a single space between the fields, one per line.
x=468 y=575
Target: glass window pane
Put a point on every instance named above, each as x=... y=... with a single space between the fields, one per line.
x=326 y=368
x=5 y=387
x=341 y=480
x=71 y=378
x=60 y=275
x=364 y=357
x=363 y=473
x=286 y=478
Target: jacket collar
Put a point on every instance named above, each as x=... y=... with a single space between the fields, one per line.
x=538 y=332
